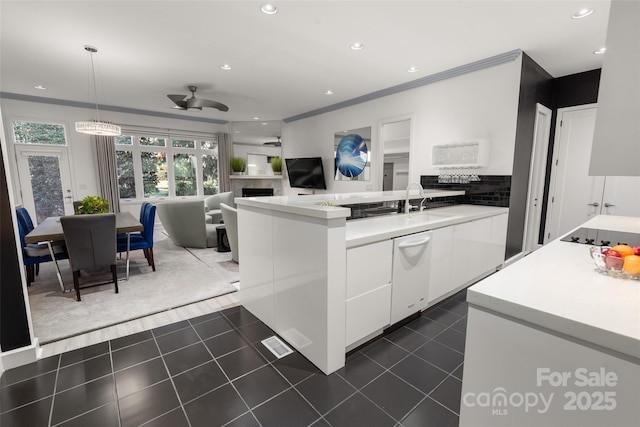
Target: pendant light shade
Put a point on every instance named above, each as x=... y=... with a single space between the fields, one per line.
x=96 y=127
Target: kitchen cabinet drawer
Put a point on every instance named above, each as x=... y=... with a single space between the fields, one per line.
x=368 y=267
x=367 y=313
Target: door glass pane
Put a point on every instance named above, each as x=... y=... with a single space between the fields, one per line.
x=126 y=178
x=154 y=174
x=123 y=140
x=210 y=174
x=38 y=133
x=184 y=167
x=152 y=141
x=208 y=145
x=183 y=143
x=46 y=185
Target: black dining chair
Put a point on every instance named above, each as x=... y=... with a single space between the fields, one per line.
x=91 y=243
x=143 y=240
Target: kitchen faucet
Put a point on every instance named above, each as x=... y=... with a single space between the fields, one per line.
x=407 y=206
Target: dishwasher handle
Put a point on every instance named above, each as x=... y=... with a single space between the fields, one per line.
x=416 y=243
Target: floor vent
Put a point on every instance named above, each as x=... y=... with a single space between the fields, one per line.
x=277 y=347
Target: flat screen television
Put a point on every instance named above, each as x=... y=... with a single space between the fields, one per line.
x=306 y=172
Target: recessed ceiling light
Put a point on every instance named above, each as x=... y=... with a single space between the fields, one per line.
x=225 y=67
x=40 y=87
x=600 y=51
x=256 y=118
x=582 y=13
x=412 y=69
x=329 y=92
x=357 y=46
x=264 y=123
x=268 y=9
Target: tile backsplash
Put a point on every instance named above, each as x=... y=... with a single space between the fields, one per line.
x=491 y=190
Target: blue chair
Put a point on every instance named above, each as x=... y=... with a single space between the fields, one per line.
x=144 y=240
x=34 y=254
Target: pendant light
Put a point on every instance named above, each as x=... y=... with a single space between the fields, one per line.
x=96 y=127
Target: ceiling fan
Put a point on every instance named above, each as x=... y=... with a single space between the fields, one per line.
x=277 y=143
x=184 y=103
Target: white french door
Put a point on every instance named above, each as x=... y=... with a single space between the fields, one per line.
x=45 y=181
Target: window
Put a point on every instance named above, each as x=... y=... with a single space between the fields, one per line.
x=164 y=166
x=38 y=133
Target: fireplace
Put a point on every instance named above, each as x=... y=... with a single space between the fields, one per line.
x=256 y=192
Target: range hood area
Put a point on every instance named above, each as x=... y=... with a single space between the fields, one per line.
x=616 y=141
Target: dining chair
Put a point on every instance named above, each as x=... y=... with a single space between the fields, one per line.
x=33 y=254
x=143 y=240
x=91 y=243
x=230 y=219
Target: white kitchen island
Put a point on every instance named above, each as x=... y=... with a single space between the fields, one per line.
x=294 y=270
x=552 y=342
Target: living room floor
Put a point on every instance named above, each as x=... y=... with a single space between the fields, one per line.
x=212 y=370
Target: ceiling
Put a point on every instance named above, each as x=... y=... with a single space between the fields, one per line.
x=282 y=64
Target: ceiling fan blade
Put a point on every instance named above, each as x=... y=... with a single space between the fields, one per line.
x=176 y=98
x=200 y=102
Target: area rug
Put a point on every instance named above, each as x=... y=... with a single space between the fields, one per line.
x=183 y=276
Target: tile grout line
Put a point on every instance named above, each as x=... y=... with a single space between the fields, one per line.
x=53 y=396
x=225 y=375
x=175 y=390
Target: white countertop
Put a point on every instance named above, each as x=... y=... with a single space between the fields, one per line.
x=370 y=230
x=557 y=288
x=311 y=205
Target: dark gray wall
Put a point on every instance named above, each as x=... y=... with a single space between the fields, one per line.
x=14 y=328
x=535 y=87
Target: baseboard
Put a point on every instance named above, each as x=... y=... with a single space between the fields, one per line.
x=21 y=356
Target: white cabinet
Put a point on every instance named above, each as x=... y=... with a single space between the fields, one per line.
x=410 y=279
x=368 y=296
x=440 y=283
x=464 y=252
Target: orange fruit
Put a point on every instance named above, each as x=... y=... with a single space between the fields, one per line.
x=632 y=264
x=623 y=250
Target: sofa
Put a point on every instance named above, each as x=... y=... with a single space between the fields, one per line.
x=183 y=220
x=213 y=214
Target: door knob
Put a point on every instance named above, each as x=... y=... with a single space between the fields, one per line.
x=608 y=205
x=595 y=204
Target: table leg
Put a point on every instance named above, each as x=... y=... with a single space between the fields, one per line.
x=128 y=246
x=55 y=261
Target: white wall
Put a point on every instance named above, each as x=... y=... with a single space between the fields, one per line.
x=483 y=104
x=82 y=156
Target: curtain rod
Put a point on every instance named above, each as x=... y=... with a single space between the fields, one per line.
x=151 y=129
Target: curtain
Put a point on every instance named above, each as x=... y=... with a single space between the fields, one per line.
x=225 y=153
x=107 y=171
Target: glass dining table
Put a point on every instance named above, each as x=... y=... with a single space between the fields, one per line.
x=50 y=230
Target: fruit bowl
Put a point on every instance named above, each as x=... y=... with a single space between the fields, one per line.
x=610 y=264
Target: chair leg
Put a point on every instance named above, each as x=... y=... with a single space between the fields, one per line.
x=151 y=260
x=114 y=273
x=37 y=269
x=27 y=270
x=76 y=284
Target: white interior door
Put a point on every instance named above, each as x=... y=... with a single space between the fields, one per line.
x=537 y=172
x=621 y=196
x=574 y=196
x=45 y=181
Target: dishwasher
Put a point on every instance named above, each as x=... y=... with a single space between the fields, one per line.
x=410 y=274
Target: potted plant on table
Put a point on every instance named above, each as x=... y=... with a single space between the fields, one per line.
x=276 y=165
x=238 y=164
x=93 y=205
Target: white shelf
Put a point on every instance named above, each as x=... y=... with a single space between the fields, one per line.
x=279 y=177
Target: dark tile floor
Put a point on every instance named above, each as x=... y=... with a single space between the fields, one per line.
x=213 y=371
